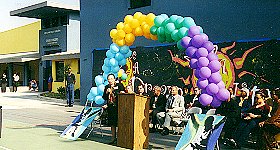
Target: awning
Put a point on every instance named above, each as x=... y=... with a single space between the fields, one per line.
x=62 y=55
x=19 y=57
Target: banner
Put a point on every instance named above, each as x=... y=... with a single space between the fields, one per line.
x=80 y=123
x=201 y=132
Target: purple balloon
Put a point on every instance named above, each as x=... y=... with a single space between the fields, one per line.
x=202 y=62
x=208 y=45
x=202 y=83
x=204 y=36
x=212 y=89
x=205 y=99
x=196 y=73
x=201 y=52
x=212 y=56
x=215 y=77
x=214 y=66
x=205 y=72
x=193 y=63
x=216 y=102
x=194 y=30
x=190 y=51
x=197 y=41
x=223 y=94
x=203 y=91
x=185 y=41
x=221 y=85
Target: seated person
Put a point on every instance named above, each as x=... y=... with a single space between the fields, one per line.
x=251 y=118
x=157 y=104
x=173 y=109
x=243 y=100
x=128 y=89
x=271 y=127
x=187 y=95
x=33 y=85
x=194 y=98
x=141 y=90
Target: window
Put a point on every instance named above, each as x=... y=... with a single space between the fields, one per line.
x=139 y=3
x=59 y=69
x=54 y=22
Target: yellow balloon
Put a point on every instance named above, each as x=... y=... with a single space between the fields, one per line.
x=142 y=18
x=153 y=37
x=121 y=34
x=120 y=26
x=146 y=28
x=134 y=23
x=137 y=15
x=127 y=28
x=113 y=33
x=150 y=19
x=120 y=42
x=120 y=73
x=129 y=38
x=114 y=40
x=128 y=18
x=138 y=31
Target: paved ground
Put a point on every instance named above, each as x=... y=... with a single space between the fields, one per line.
x=31 y=122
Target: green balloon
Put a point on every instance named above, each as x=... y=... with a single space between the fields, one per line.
x=165 y=22
x=161 y=38
x=188 y=22
x=169 y=38
x=179 y=46
x=175 y=36
x=158 y=20
x=160 y=31
x=169 y=28
x=173 y=18
x=164 y=16
x=178 y=22
x=153 y=30
x=182 y=32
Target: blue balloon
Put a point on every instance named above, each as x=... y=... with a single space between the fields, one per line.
x=109 y=54
x=119 y=56
x=105 y=75
x=115 y=69
x=122 y=62
x=107 y=62
x=98 y=80
x=100 y=89
x=90 y=97
x=128 y=54
x=93 y=91
x=114 y=48
x=124 y=49
x=113 y=62
x=106 y=82
x=106 y=69
x=99 y=100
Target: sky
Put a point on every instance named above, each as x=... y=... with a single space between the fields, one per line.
x=8 y=22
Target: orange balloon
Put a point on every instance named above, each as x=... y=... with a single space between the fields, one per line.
x=147 y=36
x=127 y=28
x=114 y=40
x=128 y=18
x=129 y=38
x=146 y=28
x=128 y=44
x=120 y=26
x=113 y=33
x=138 y=31
x=120 y=42
x=121 y=34
x=153 y=37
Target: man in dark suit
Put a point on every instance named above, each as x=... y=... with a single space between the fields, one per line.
x=157 y=104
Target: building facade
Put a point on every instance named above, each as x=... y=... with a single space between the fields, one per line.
x=221 y=20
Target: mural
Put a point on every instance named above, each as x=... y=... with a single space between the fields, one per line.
x=253 y=62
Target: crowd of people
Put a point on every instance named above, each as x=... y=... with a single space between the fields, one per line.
x=242 y=115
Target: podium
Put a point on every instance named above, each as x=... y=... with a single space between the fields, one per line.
x=133 y=121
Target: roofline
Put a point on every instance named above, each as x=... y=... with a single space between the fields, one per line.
x=43 y=4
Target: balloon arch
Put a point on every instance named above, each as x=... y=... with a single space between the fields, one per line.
x=189 y=38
